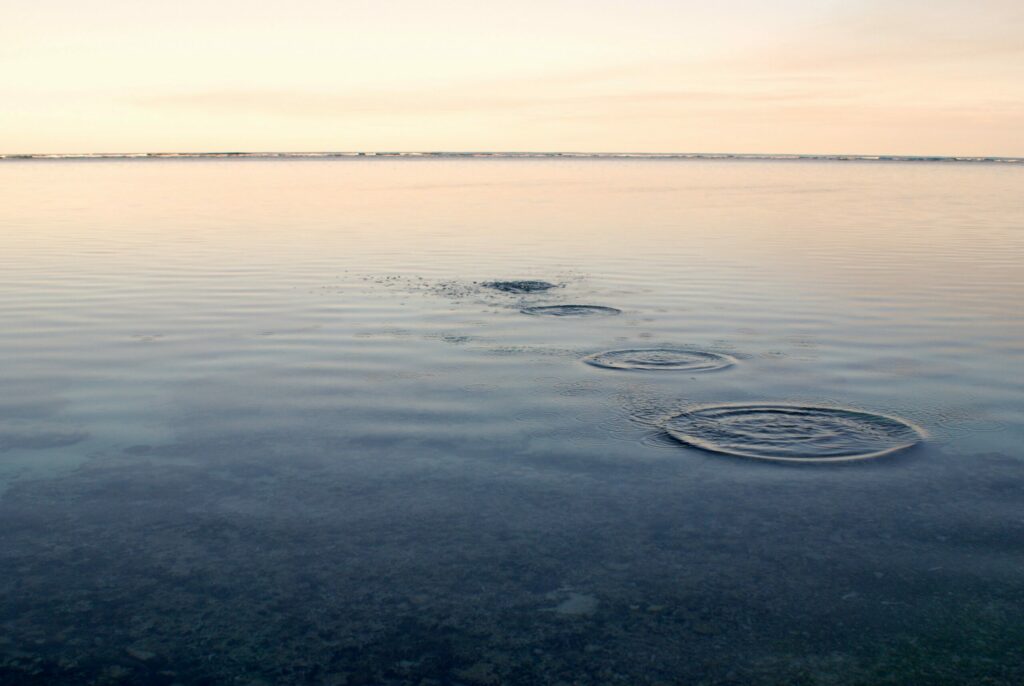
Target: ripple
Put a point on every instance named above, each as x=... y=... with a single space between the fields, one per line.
x=571 y=311
x=29 y=435
x=661 y=359
x=792 y=433
x=520 y=286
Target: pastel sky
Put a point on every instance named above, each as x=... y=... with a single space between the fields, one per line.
x=942 y=77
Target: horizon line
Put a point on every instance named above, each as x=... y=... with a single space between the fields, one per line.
x=855 y=157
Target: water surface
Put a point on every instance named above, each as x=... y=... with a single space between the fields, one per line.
x=264 y=422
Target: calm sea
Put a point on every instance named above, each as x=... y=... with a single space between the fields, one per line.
x=264 y=422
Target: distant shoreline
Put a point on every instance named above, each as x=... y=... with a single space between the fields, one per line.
x=514 y=155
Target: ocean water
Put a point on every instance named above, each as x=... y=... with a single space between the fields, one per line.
x=264 y=421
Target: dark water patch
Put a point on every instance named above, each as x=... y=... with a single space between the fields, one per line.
x=661 y=359
x=520 y=286
x=792 y=432
x=571 y=311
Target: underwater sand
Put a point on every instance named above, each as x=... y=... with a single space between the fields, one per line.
x=270 y=422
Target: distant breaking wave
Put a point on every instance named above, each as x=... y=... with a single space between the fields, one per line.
x=512 y=155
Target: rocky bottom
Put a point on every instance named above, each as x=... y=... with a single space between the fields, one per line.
x=275 y=563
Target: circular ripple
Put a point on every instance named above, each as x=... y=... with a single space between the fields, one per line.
x=792 y=433
x=520 y=286
x=661 y=359
x=571 y=310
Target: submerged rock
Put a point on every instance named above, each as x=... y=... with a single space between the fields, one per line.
x=577 y=605
x=141 y=655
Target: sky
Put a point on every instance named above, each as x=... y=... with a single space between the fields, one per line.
x=918 y=77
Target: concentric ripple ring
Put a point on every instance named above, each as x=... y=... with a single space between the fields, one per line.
x=661 y=359
x=520 y=286
x=792 y=433
x=571 y=311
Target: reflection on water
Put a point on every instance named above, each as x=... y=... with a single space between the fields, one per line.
x=269 y=422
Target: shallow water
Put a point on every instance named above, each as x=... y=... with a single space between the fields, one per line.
x=262 y=422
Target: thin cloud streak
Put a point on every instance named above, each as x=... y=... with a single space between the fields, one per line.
x=331 y=105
